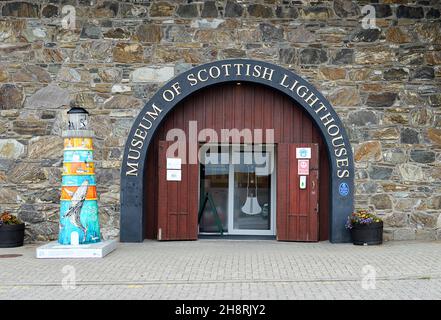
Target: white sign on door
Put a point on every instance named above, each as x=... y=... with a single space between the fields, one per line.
x=174 y=163
x=302 y=182
x=303 y=153
x=174 y=175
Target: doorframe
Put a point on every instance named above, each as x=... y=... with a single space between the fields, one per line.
x=273 y=198
x=305 y=95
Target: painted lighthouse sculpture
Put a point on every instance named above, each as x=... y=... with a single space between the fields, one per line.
x=79 y=221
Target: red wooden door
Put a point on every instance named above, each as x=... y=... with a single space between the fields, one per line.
x=297 y=209
x=177 y=200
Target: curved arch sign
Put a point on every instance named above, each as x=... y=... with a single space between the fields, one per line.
x=236 y=70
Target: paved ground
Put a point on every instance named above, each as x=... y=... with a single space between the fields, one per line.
x=230 y=269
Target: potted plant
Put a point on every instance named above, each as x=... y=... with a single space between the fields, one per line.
x=11 y=231
x=366 y=228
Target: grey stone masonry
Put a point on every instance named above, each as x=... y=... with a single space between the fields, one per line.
x=382 y=76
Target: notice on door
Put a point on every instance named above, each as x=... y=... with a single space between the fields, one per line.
x=303 y=153
x=174 y=169
x=303 y=167
x=174 y=175
x=174 y=163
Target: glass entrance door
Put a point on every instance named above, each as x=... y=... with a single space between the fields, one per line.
x=251 y=192
x=241 y=189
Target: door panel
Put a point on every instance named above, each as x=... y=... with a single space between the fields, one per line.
x=297 y=209
x=177 y=200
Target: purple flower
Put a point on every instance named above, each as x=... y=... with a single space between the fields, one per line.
x=348 y=224
x=361 y=217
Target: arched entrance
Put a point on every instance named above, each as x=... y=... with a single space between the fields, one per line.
x=230 y=106
x=325 y=128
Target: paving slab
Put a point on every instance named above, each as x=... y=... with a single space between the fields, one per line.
x=230 y=269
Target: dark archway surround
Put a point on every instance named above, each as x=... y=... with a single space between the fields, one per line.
x=132 y=227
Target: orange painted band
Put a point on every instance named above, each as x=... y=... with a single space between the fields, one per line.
x=68 y=192
x=78 y=143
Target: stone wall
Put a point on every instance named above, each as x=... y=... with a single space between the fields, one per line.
x=384 y=82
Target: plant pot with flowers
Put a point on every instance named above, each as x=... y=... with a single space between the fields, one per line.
x=366 y=228
x=11 y=231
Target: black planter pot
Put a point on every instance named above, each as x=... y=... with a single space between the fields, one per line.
x=367 y=234
x=11 y=235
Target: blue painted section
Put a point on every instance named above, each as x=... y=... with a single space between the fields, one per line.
x=89 y=220
x=78 y=156
x=75 y=181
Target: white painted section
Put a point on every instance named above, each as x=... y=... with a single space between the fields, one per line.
x=75 y=238
x=54 y=250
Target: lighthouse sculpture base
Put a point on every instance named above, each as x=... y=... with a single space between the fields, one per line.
x=54 y=250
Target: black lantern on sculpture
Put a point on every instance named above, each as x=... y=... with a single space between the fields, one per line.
x=78 y=118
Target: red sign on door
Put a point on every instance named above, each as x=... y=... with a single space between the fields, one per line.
x=303 y=167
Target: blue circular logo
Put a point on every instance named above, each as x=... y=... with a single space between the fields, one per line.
x=343 y=189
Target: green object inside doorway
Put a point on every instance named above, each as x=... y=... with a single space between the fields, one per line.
x=209 y=199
